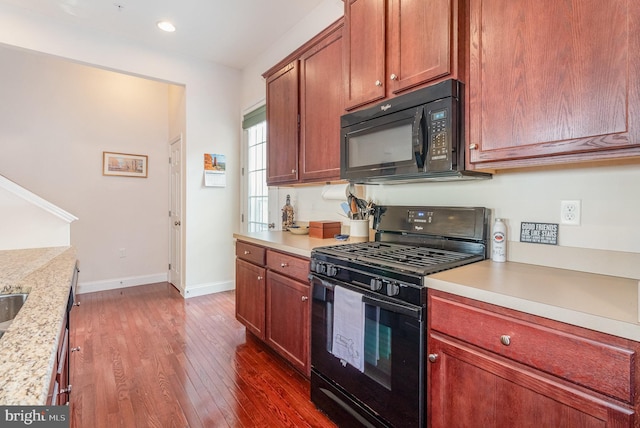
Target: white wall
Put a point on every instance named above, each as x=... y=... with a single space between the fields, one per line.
x=212 y=125
x=63 y=115
x=24 y=224
x=610 y=202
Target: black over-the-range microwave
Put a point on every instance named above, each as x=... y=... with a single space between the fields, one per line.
x=412 y=137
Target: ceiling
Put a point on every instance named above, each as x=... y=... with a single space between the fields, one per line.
x=227 y=32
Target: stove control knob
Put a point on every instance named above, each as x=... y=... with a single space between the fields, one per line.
x=393 y=289
x=375 y=284
x=332 y=270
x=320 y=267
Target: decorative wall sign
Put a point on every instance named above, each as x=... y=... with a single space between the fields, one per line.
x=539 y=233
x=124 y=164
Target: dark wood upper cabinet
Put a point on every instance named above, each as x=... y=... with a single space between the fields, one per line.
x=321 y=105
x=392 y=46
x=552 y=82
x=282 y=125
x=304 y=105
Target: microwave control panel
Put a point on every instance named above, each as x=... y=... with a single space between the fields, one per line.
x=439 y=135
x=440 y=148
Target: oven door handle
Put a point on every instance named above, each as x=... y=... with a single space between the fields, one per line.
x=411 y=311
x=323 y=282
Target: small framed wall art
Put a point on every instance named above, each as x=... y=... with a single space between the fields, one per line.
x=123 y=164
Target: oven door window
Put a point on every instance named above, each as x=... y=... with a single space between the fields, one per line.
x=377 y=345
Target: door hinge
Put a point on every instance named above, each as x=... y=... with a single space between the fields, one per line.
x=169 y=266
x=169 y=213
x=241 y=218
x=169 y=161
x=242 y=171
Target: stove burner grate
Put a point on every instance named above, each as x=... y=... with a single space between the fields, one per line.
x=422 y=260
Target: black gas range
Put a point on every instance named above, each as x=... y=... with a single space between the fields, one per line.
x=369 y=298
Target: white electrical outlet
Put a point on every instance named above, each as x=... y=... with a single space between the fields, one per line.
x=570 y=212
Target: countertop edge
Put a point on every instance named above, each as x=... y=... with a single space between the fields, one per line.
x=568 y=316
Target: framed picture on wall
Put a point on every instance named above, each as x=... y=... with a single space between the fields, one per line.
x=123 y=164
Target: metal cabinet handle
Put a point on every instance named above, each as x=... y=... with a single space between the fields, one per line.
x=305 y=298
x=246 y=252
x=393 y=77
x=378 y=83
x=473 y=146
x=77 y=348
x=65 y=390
x=76 y=304
x=260 y=278
x=283 y=265
x=293 y=171
x=432 y=358
x=505 y=340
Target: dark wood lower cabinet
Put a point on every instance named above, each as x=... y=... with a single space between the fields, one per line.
x=494 y=367
x=59 y=389
x=60 y=386
x=287 y=312
x=272 y=301
x=470 y=387
x=250 y=295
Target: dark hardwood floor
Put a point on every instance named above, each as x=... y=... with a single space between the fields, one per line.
x=150 y=358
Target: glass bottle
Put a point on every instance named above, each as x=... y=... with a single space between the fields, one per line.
x=287 y=214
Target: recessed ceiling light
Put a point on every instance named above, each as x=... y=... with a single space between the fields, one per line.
x=166 y=26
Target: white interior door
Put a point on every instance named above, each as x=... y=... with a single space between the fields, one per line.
x=175 y=213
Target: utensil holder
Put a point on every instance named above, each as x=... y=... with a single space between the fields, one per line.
x=359 y=228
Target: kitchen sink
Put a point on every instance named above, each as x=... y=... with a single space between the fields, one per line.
x=10 y=304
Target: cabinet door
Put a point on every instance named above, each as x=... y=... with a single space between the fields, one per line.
x=420 y=41
x=364 y=52
x=250 y=297
x=321 y=104
x=470 y=387
x=288 y=319
x=553 y=81
x=282 y=130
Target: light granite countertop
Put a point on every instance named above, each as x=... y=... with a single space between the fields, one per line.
x=28 y=348
x=604 y=303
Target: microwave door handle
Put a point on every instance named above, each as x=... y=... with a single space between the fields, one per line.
x=418 y=138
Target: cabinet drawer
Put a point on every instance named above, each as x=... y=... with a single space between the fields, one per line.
x=289 y=265
x=251 y=253
x=593 y=364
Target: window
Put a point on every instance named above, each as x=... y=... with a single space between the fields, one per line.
x=255 y=172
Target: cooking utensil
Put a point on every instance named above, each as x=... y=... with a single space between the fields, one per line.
x=347 y=210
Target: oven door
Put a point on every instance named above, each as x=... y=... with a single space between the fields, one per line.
x=390 y=389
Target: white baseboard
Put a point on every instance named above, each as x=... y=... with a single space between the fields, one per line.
x=208 y=288
x=112 y=284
